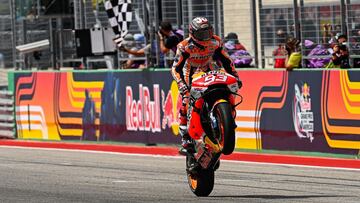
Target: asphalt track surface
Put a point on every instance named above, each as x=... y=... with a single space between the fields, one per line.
x=47 y=175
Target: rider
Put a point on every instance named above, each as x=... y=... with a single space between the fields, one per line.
x=197 y=53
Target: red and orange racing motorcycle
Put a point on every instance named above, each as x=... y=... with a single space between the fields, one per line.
x=211 y=125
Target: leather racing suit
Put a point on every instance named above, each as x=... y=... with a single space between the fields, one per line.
x=192 y=57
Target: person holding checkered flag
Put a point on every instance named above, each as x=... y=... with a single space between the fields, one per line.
x=120 y=15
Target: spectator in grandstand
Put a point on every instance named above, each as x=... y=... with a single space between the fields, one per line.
x=340 y=57
x=293 y=56
x=169 y=38
x=237 y=51
x=355 y=47
x=318 y=54
x=132 y=45
x=280 y=52
x=331 y=36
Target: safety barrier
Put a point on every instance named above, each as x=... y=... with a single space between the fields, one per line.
x=302 y=110
x=7 y=120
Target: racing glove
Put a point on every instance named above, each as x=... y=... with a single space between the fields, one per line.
x=183 y=88
x=239 y=83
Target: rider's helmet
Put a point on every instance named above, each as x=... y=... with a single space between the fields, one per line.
x=200 y=29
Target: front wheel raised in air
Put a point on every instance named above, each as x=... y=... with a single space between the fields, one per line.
x=223 y=114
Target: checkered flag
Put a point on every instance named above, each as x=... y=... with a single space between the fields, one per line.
x=120 y=15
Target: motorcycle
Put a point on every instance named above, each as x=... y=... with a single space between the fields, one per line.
x=211 y=126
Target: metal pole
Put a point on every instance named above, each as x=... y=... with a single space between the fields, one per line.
x=52 y=41
x=13 y=30
x=302 y=10
x=255 y=32
x=296 y=20
x=190 y=11
x=81 y=14
x=217 y=14
x=82 y=26
x=179 y=16
x=261 y=44
x=159 y=10
x=26 y=58
x=146 y=32
x=38 y=7
x=60 y=41
x=153 y=29
x=348 y=33
x=76 y=14
x=343 y=16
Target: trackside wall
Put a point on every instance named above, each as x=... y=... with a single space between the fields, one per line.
x=303 y=110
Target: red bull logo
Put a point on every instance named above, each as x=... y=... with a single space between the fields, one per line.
x=171 y=104
x=144 y=114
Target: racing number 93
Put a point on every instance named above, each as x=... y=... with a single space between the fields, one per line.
x=215 y=78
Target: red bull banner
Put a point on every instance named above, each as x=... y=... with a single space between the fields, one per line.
x=315 y=111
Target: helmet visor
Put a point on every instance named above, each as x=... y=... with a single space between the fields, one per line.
x=203 y=34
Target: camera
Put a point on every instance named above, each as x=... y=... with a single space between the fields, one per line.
x=342 y=46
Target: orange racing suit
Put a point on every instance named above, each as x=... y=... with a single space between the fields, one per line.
x=197 y=56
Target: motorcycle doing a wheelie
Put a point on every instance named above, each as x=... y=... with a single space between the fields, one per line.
x=211 y=125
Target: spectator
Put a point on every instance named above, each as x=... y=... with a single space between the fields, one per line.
x=169 y=38
x=293 y=57
x=335 y=35
x=340 y=53
x=238 y=53
x=355 y=47
x=280 y=52
x=132 y=46
x=340 y=57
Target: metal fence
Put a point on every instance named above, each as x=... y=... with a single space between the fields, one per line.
x=7 y=119
x=311 y=21
x=257 y=23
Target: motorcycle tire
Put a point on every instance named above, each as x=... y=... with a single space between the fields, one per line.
x=223 y=114
x=202 y=182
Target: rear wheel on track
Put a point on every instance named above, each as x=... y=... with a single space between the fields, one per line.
x=202 y=182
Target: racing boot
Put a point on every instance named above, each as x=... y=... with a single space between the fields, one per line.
x=187 y=144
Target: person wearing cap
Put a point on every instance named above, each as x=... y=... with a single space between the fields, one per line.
x=279 y=53
x=238 y=53
x=293 y=57
x=232 y=43
x=131 y=46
